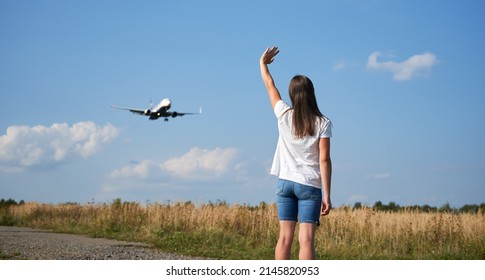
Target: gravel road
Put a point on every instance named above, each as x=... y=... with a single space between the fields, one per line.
x=34 y=244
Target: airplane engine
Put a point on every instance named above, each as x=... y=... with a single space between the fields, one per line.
x=147 y=112
x=174 y=114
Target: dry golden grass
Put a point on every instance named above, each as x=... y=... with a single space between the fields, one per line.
x=367 y=234
x=244 y=232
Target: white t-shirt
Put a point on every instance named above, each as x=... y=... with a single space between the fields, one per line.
x=295 y=159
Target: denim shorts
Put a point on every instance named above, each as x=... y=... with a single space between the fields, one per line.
x=297 y=202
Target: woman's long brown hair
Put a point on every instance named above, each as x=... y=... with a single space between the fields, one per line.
x=305 y=108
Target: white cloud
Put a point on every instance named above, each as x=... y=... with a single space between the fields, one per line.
x=25 y=147
x=343 y=64
x=202 y=163
x=196 y=164
x=382 y=176
x=141 y=169
x=402 y=71
x=339 y=66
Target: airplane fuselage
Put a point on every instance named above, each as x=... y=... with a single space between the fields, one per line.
x=160 y=110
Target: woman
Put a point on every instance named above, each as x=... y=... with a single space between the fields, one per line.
x=301 y=161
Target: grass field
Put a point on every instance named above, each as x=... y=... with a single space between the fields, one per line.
x=225 y=231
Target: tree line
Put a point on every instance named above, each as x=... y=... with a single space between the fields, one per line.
x=445 y=208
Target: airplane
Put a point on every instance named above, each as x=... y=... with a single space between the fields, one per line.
x=159 y=111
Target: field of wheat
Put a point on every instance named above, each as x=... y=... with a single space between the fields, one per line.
x=225 y=231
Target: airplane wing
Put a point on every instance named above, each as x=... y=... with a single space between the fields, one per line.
x=176 y=114
x=134 y=111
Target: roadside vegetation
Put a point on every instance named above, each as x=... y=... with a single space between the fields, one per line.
x=222 y=231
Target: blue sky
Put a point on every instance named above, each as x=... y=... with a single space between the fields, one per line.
x=402 y=82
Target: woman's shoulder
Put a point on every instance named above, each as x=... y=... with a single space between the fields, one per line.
x=325 y=126
x=324 y=120
x=280 y=108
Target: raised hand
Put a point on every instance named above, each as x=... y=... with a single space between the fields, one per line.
x=269 y=55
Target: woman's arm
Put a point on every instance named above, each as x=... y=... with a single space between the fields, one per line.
x=326 y=173
x=267 y=58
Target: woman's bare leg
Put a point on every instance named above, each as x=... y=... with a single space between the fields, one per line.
x=306 y=238
x=283 y=247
